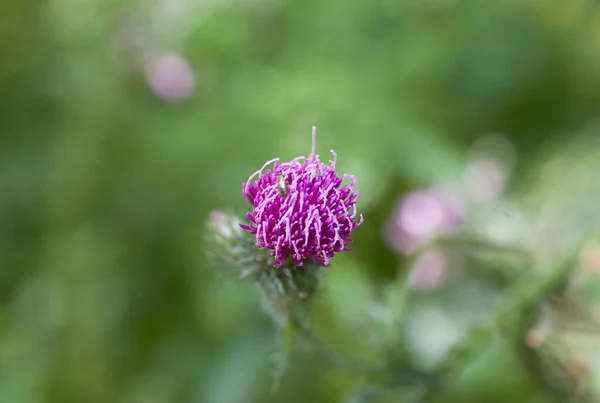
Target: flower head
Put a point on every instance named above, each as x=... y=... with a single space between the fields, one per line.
x=421 y=216
x=301 y=209
x=429 y=271
x=171 y=77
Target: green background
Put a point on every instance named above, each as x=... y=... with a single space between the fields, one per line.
x=105 y=292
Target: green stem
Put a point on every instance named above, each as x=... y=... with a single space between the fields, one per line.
x=335 y=358
x=287 y=337
x=476 y=242
x=523 y=295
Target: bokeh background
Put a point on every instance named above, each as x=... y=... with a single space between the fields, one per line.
x=123 y=124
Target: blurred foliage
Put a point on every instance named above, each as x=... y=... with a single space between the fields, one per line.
x=106 y=294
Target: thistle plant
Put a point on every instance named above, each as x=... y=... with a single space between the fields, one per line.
x=301 y=210
x=302 y=213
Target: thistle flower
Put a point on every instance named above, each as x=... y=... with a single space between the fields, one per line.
x=421 y=216
x=429 y=271
x=302 y=209
x=171 y=77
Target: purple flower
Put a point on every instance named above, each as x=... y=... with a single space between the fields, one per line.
x=421 y=216
x=301 y=209
x=429 y=271
x=171 y=77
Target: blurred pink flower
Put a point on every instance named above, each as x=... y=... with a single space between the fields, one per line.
x=590 y=259
x=429 y=271
x=421 y=216
x=485 y=179
x=536 y=337
x=219 y=221
x=171 y=77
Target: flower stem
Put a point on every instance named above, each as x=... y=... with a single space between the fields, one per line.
x=335 y=358
x=287 y=337
x=522 y=296
x=474 y=242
